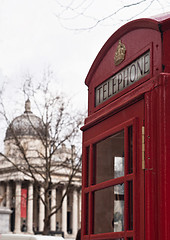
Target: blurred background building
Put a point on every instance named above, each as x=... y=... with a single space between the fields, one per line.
x=19 y=192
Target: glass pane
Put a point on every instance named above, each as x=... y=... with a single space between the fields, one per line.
x=109 y=209
x=117 y=239
x=118 y=217
x=87 y=166
x=118 y=166
x=130 y=150
x=130 y=204
x=110 y=158
x=86 y=207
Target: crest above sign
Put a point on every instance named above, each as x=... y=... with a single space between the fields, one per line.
x=120 y=53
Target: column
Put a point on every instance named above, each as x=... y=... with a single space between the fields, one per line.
x=64 y=213
x=41 y=211
x=17 y=208
x=53 y=204
x=30 y=209
x=75 y=212
x=2 y=195
x=8 y=195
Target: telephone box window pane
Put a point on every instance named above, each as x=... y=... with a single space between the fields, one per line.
x=117 y=239
x=87 y=166
x=130 y=204
x=109 y=209
x=86 y=213
x=118 y=166
x=130 y=143
x=110 y=158
x=118 y=219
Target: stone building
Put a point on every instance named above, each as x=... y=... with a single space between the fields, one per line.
x=19 y=190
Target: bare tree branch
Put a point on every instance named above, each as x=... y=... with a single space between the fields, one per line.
x=71 y=11
x=57 y=126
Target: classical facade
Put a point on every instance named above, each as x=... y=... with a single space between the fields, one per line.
x=20 y=193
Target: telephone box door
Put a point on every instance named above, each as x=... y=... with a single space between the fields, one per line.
x=113 y=183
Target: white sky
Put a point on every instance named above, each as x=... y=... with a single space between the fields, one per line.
x=36 y=34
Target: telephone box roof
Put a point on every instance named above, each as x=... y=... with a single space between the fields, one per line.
x=158 y=23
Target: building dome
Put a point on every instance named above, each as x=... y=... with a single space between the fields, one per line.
x=26 y=124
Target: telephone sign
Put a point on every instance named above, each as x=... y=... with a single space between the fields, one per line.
x=127 y=76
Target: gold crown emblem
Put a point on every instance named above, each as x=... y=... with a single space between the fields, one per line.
x=120 y=53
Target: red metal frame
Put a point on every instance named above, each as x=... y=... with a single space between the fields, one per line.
x=157 y=174
x=145 y=103
x=136 y=121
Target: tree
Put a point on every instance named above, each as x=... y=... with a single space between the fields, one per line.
x=91 y=13
x=57 y=125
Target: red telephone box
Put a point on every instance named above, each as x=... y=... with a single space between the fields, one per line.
x=126 y=136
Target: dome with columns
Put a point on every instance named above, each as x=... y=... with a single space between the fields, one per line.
x=23 y=196
x=26 y=124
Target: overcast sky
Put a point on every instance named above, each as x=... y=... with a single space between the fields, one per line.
x=65 y=35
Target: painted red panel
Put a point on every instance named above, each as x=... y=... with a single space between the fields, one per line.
x=148 y=102
x=166 y=51
x=23 y=203
x=138 y=36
